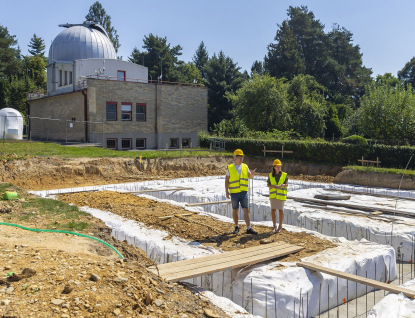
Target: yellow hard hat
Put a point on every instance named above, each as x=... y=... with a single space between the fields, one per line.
x=238 y=152
x=277 y=162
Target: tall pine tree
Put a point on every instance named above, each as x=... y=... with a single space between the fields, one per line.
x=222 y=77
x=201 y=58
x=159 y=58
x=97 y=14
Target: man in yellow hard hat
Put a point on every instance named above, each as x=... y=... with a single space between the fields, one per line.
x=236 y=187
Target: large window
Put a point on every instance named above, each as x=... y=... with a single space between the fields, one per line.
x=126 y=111
x=140 y=143
x=140 y=112
x=112 y=143
x=121 y=75
x=66 y=77
x=60 y=77
x=111 y=111
x=174 y=142
x=70 y=77
x=125 y=143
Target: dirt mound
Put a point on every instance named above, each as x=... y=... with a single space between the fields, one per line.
x=372 y=179
x=70 y=279
x=56 y=173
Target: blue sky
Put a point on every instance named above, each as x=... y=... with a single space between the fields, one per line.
x=241 y=29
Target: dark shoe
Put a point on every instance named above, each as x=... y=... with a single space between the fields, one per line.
x=251 y=231
x=236 y=230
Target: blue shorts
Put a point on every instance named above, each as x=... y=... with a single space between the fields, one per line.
x=241 y=197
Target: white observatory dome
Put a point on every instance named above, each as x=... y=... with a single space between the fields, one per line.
x=11 y=124
x=81 y=41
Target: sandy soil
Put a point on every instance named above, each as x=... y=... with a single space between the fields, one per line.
x=206 y=230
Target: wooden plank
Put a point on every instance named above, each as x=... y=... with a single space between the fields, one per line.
x=207 y=203
x=376 y=213
x=176 y=276
x=215 y=257
x=355 y=206
x=358 y=279
x=227 y=256
x=178 y=215
x=374 y=161
x=332 y=197
x=285 y=151
x=373 y=194
x=156 y=190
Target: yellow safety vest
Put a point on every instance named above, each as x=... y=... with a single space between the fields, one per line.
x=279 y=194
x=238 y=184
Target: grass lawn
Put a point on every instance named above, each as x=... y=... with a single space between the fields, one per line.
x=380 y=170
x=53 y=213
x=23 y=148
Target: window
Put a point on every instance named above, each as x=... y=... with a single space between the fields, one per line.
x=111 y=111
x=140 y=112
x=121 y=75
x=66 y=77
x=70 y=77
x=60 y=77
x=140 y=143
x=186 y=142
x=112 y=143
x=126 y=111
x=174 y=142
x=125 y=144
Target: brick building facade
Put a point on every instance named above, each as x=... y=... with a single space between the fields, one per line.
x=123 y=115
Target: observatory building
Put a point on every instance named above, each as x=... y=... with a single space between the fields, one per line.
x=94 y=97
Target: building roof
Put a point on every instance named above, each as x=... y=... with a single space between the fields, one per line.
x=81 y=41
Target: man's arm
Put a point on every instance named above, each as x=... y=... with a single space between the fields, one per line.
x=252 y=173
x=227 y=186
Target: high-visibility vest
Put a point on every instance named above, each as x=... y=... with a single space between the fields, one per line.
x=238 y=184
x=281 y=193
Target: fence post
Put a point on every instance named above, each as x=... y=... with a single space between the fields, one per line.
x=102 y=134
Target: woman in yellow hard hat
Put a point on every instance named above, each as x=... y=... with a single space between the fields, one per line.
x=277 y=184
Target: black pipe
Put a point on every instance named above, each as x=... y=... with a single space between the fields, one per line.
x=86 y=114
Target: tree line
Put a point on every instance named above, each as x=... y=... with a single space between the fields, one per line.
x=310 y=83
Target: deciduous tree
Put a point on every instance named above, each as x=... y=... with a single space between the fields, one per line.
x=262 y=103
x=308 y=107
x=387 y=112
x=407 y=73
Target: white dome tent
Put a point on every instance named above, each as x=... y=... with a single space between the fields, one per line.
x=11 y=124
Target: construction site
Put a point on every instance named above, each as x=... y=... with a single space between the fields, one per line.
x=346 y=248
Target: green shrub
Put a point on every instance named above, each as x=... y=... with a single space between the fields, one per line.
x=355 y=140
x=322 y=152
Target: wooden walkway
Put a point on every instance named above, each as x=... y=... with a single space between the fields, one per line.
x=190 y=268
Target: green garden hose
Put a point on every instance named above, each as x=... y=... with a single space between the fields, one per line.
x=66 y=232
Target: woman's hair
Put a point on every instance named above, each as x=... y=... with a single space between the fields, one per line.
x=273 y=171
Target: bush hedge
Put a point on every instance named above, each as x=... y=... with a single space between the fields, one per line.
x=322 y=152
